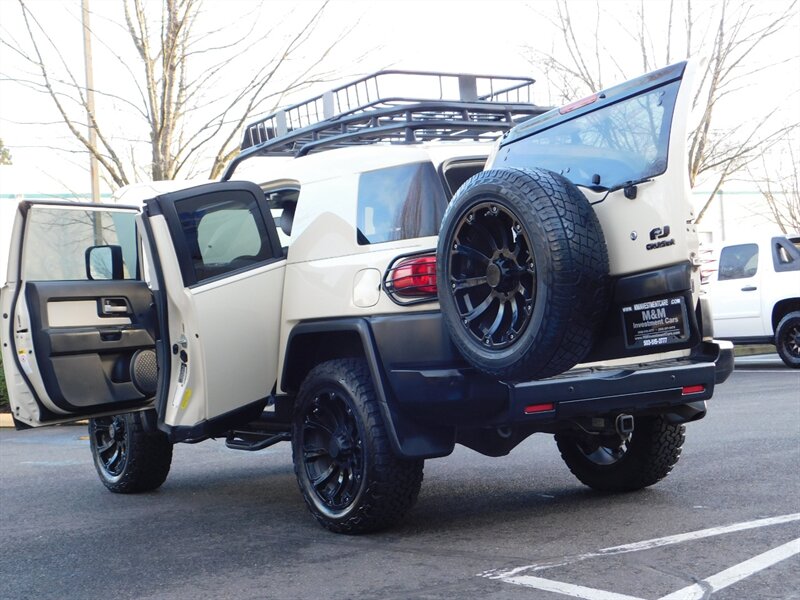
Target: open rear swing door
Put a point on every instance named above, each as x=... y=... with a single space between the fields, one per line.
x=85 y=334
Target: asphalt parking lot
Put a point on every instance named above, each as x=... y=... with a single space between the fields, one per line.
x=724 y=525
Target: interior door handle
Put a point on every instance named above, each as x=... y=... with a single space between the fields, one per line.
x=749 y=288
x=111 y=307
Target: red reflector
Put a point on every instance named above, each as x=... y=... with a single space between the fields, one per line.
x=692 y=389
x=578 y=104
x=414 y=277
x=537 y=408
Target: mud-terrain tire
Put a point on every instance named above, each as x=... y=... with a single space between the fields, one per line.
x=348 y=475
x=646 y=458
x=522 y=271
x=127 y=458
x=787 y=339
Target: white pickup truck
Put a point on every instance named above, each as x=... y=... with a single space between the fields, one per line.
x=755 y=294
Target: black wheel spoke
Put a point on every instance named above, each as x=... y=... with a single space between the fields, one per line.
x=505 y=239
x=311 y=453
x=471 y=252
x=110 y=463
x=501 y=311
x=316 y=423
x=105 y=446
x=478 y=310
x=323 y=477
x=336 y=492
x=469 y=282
x=514 y=314
x=484 y=231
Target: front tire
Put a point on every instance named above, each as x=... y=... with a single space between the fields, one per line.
x=128 y=458
x=787 y=339
x=616 y=465
x=348 y=475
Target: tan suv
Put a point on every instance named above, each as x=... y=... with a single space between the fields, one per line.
x=392 y=276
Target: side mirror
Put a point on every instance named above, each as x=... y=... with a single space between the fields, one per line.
x=104 y=262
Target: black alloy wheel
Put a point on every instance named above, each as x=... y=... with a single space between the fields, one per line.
x=333 y=452
x=110 y=444
x=613 y=463
x=128 y=456
x=350 y=478
x=787 y=339
x=492 y=274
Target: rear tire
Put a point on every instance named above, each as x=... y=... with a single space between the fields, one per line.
x=787 y=339
x=522 y=271
x=646 y=458
x=349 y=477
x=127 y=458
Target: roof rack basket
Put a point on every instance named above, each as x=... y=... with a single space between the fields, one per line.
x=376 y=108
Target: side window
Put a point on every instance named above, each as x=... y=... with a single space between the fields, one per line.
x=456 y=172
x=738 y=262
x=57 y=239
x=785 y=255
x=399 y=203
x=282 y=205
x=224 y=232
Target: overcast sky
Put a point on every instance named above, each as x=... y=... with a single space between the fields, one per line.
x=478 y=36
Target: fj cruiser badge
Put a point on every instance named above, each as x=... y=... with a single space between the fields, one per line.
x=658 y=234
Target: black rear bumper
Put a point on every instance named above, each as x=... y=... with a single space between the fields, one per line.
x=435 y=399
x=464 y=397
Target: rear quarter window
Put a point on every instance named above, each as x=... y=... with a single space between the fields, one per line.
x=399 y=203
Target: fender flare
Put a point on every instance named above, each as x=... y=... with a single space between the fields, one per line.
x=409 y=438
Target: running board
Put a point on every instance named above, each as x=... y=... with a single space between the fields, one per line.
x=255 y=440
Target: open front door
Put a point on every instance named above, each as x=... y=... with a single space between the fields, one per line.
x=78 y=326
x=218 y=283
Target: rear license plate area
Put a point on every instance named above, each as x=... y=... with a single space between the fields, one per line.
x=655 y=323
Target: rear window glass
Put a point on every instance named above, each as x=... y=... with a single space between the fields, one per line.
x=399 y=203
x=621 y=142
x=56 y=241
x=738 y=262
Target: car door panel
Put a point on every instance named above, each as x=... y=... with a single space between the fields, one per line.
x=83 y=356
x=220 y=273
x=75 y=332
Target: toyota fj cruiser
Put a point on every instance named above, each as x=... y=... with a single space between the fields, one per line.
x=416 y=272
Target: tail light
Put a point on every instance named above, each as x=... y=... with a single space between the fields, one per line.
x=411 y=279
x=692 y=389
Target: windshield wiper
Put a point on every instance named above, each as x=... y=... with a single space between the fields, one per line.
x=629 y=187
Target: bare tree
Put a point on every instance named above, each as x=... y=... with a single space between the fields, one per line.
x=178 y=97
x=727 y=34
x=5 y=155
x=778 y=180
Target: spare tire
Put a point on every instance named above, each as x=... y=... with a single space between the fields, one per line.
x=522 y=271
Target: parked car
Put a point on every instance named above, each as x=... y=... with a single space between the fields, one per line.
x=417 y=273
x=755 y=294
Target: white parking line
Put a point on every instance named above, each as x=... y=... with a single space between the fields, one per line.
x=736 y=573
x=696 y=591
x=647 y=545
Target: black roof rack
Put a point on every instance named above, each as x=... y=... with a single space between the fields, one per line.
x=444 y=106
